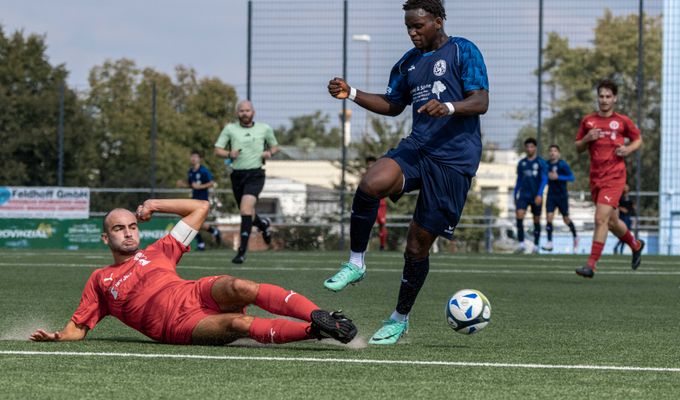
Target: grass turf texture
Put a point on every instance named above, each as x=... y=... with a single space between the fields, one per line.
x=542 y=313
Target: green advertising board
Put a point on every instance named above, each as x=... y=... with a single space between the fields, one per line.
x=70 y=234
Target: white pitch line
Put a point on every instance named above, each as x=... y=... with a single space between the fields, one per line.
x=345 y=360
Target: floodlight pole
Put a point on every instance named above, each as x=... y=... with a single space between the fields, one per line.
x=60 y=137
x=249 y=57
x=640 y=86
x=343 y=116
x=539 y=107
x=152 y=172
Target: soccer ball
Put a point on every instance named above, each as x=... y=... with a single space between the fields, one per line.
x=468 y=311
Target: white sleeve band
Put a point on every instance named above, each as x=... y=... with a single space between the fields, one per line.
x=183 y=233
x=352 y=94
x=450 y=106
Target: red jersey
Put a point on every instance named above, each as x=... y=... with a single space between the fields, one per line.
x=144 y=292
x=605 y=165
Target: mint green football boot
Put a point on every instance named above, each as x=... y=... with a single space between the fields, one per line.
x=348 y=274
x=390 y=333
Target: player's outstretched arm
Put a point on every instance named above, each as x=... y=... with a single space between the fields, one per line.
x=377 y=103
x=71 y=332
x=193 y=212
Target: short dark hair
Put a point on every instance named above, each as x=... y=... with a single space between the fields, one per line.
x=532 y=141
x=370 y=159
x=608 y=84
x=197 y=152
x=434 y=7
x=555 y=146
x=105 y=225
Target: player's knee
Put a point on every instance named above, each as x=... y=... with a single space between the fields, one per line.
x=601 y=220
x=244 y=290
x=416 y=250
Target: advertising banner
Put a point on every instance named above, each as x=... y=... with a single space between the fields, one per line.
x=71 y=234
x=44 y=202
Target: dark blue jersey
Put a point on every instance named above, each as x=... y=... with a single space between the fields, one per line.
x=445 y=74
x=558 y=188
x=202 y=175
x=532 y=176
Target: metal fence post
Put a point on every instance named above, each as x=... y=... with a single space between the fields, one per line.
x=640 y=88
x=152 y=172
x=60 y=137
x=344 y=128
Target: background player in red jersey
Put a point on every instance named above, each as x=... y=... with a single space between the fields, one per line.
x=142 y=289
x=603 y=133
x=381 y=219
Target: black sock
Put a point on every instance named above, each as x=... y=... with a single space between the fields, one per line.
x=212 y=230
x=412 y=279
x=537 y=233
x=199 y=239
x=246 y=226
x=520 y=230
x=259 y=223
x=364 y=212
x=548 y=230
x=572 y=228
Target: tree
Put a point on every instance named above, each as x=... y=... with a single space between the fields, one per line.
x=29 y=100
x=573 y=74
x=309 y=130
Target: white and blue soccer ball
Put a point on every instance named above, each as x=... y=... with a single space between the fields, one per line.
x=468 y=311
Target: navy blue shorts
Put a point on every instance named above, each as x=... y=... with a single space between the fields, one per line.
x=443 y=190
x=523 y=203
x=559 y=202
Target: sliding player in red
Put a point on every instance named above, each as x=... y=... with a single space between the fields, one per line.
x=142 y=289
x=603 y=134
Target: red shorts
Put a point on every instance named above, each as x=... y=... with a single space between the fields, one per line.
x=608 y=193
x=191 y=303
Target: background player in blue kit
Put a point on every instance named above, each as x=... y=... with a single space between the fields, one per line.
x=559 y=174
x=532 y=176
x=444 y=79
x=199 y=179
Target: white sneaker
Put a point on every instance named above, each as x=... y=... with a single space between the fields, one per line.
x=548 y=246
x=576 y=241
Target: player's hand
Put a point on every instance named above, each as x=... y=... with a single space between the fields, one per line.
x=338 y=88
x=538 y=200
x=552 y=175
x=592 y=135
x=42 y=336
x=144 y=212
x=622 y=151
x=234 y=154
x=266 y=154
x=434 y=108
x=195 y=185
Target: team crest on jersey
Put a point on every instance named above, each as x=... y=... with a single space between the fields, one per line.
x=614 y=125
x=439 y=68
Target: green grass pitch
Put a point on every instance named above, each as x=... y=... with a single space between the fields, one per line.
x=552 y=334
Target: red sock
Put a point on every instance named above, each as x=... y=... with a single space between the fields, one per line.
x=630 y=240
x=383 y=237
x=279 y=301
x=595 y=253
x=278 y=330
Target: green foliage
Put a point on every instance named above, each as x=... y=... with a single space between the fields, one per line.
x=29 y=100
x=573 y=74
x=309 y=131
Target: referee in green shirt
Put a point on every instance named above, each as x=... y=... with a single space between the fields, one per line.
x=248 y=144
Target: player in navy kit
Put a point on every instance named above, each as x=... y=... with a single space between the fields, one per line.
x=532 y=176
x=559 y=174
x=444 y=79
x=199 y=179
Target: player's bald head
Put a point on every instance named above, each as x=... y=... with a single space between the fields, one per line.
x=116 y=215
x=244 y=104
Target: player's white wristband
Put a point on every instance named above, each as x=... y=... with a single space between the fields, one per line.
x=183 y=233
x=352 y=94
x=451 y=108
